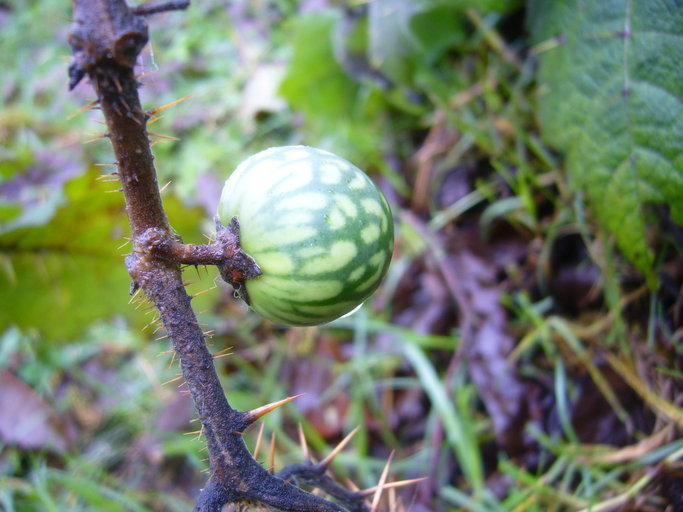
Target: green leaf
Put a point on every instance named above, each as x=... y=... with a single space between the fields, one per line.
x=437 y=30
x=61 y=277
x=315 y=83
x=612 y=99
x=339 y=114
x=392 y=45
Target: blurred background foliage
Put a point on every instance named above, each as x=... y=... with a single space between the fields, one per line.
x=524 y=351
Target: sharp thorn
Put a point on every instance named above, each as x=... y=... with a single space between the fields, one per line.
x=179 y=377
x=155 y=320
x=168 y=105
x=342 y=444
x=259 y=439
x=123 y=244
x=108 y=175
x=303 y=443
x=351 y=485
x=95 y=139
x=154 y=119
x=145 y=74
x=83 y=109
x=133 y=117
x=380 y=486
x=142 y=303
x=253 y=415
x=392 y=506
x=392 y=485
x=161 y=136
x=135 y=295
x=161 y=190
x=223 y=353
x=202 y=292
x=271 y=458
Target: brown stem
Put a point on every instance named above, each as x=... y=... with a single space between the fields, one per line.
x=106 y=39
x=225 y=252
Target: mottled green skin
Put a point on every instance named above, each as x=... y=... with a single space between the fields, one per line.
x=318 y=227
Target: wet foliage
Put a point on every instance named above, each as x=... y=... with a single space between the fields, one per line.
x=516 y=355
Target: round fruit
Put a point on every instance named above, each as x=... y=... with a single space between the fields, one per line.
x=317 y=226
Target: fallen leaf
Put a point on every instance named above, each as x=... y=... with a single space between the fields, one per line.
x=27 y=421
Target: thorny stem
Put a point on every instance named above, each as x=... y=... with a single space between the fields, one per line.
x=106 y=38
x=316 y=476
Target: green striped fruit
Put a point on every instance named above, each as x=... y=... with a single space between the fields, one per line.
x=317 y=226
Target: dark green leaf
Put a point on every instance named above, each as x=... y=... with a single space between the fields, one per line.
x=60 y=277
x=613 y=102
x=315 y=83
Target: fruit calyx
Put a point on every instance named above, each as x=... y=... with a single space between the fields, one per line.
x=241 y=266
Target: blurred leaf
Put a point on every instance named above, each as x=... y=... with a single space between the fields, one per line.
x=36 y=189
x=33 y=424
x=613 y=102
x=438 y=29
x=315 y=83
x=461 y=439
x=392 y=46
x=260 y=94
x=61 y=277
x=483 y=6
x=407 y=35
x=96 y=496
x=339 y=114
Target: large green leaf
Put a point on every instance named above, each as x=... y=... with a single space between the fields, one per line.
x=315 y=84
x=60 y=277
x=611 y=85
x=338 y=113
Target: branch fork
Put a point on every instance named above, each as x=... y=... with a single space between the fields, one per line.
x=234 y=265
